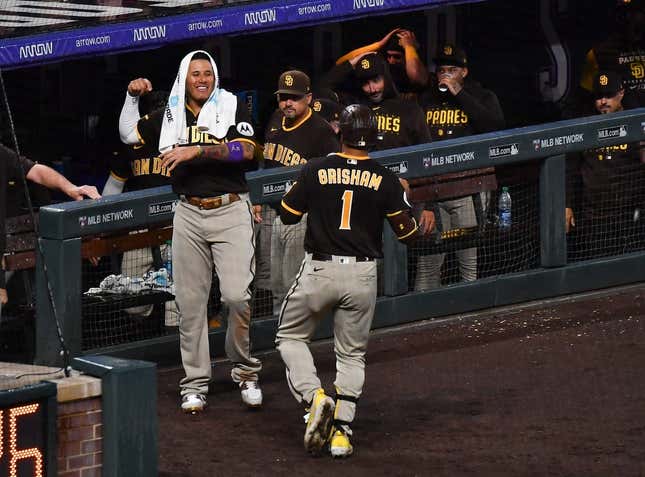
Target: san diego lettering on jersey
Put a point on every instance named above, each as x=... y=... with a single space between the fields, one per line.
x=331 y=176
x=283 y=155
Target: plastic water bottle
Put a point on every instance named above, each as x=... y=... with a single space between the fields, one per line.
x=504 y=207
x=168 y=263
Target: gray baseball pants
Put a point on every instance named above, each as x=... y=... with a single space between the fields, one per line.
x=347 y=291
x=202 y=238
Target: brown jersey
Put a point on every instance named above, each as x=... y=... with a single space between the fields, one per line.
x=346 y=199
x=291 y=146
x=139 y=166
x=203 y=177
x=400 y=123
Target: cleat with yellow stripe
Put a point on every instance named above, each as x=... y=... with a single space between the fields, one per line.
x=340 y=445
x=319 y=423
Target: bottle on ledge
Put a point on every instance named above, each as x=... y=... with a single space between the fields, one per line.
x=168 y=262
x=504 y=208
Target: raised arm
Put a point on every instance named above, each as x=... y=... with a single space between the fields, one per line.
x=130 y=110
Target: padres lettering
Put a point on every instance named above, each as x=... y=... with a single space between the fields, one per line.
x=388 y=123
x=446 y=117
x=368 y=179
x=283 y=155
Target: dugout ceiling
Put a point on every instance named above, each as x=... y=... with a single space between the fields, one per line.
x=35 y=32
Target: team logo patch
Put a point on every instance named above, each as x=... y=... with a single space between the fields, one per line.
x=317 y=106
x=447 y=50
x=288 y=80
x=245 y=129
x=603 y=80
x=365 y=64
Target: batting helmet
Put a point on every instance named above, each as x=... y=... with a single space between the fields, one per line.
x=358 y=127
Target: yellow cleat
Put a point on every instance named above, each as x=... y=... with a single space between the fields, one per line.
x=319 y=423
x=340 y=446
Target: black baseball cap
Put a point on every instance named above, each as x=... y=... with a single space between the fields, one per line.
x=451 y=55
x=369 y=66
x=294 y=82
x=328 y=109
x=606 y=84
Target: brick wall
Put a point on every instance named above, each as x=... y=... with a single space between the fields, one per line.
x=80 y=438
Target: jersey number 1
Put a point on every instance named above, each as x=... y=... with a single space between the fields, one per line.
x=346 y=216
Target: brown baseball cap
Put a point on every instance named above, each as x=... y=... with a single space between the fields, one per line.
x=294 y=82
x=451 y=55
x=330 y=110
x=370 y=66
x=607 y=84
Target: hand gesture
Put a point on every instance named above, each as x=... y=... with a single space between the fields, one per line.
x=383 y=41
x=177 y=155
x=78 y=193
x=257 y=214
x=407 y=38
x=139 y=87
x=427 y=222
x=569 y=219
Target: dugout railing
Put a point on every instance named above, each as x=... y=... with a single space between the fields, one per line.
x=65 y=227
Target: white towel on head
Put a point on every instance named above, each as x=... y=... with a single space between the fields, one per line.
x=215 y=118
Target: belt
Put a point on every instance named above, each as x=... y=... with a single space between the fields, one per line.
x=325 y=257
x=208 y=203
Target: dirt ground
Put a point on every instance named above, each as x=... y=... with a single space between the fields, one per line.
x=554 y=388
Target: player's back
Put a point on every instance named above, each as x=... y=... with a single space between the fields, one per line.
x=348 y=199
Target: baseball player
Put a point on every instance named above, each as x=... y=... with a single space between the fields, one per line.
x=400 y=121
x=294 y=135
x=347 y=195
x=455 y=105
x=207 y=144
x=608 y=217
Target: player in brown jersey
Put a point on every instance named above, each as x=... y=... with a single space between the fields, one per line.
x=207 y=143
x=346 y=195
x=400 y=122
x=612 y=179
x=294 y=135
x=454 y=106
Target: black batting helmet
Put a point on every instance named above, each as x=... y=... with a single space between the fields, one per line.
x=358 y=127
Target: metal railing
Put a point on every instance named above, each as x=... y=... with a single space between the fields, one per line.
x=63 y=226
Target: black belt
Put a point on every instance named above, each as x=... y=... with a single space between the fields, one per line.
x=325 y=257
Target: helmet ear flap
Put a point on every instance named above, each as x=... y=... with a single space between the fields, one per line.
x=358 y=126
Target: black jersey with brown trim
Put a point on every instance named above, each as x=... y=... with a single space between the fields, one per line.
x=400 y=123
x=139 y=166
x=346 y=198
x=291 y=146
x=204 y=177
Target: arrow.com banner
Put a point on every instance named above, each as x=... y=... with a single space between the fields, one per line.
x=121 y=36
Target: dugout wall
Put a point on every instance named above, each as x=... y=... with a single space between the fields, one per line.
x=64 y=226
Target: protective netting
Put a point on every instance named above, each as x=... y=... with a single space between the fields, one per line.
x=606 y=199
x=470 y=243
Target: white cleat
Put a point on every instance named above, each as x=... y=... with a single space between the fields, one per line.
x=193 y=403
x=251 y=394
